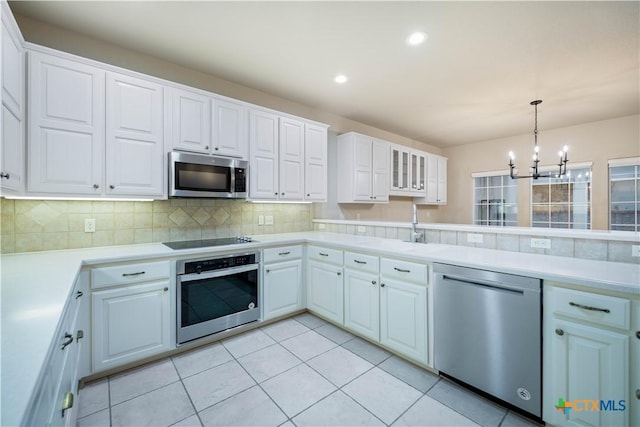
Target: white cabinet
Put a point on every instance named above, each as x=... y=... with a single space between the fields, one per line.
x=229 y=128
x=291 y=159
x=403 y=308
x=131 y=311
x=362 y=303
x=282 y=284
x=325 y=287
x=263 y=155
x=586 y=356
x=436 y=181
x=66 y=126
x=400 y=170
x=190 y=120
x=12 y=119
x=135 y=159
x=363 y=169
x=418 y=166
x=315 y=163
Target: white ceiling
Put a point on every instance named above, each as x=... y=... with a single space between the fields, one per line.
x=471 y=81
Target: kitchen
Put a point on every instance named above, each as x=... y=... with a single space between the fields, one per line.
x=588 y=84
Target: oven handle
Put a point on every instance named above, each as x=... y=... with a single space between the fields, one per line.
x=217 y=273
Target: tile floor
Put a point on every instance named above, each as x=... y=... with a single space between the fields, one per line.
x=300 y=371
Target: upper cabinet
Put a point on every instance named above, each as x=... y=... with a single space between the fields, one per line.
x=13 y=106
x=287 y=158
x=93 y=132
x=202 y=123
x=408 y=171
x=363 y=169
x=436 y=172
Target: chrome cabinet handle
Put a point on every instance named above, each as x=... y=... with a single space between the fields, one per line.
x=216 y=148
x=359 y=262
x=373 y=282
x=382 y=285
x=112 y=186
x=165 y=289
x=133 y=274
x=282 y=194
x=96 y=186
x=559 y=332
x=322 y=254
x=284 y=253
x=401 y=270
x=339 y=273
x=268 y=271
x=308 y=195
x=68 y=340
x=79 y=294
x=588 y=307
x=67 y=402
x=206 y=147
x=4 y=175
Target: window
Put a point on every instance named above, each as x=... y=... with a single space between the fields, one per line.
x=624 y=196
x=562 y=202
x=495 y=200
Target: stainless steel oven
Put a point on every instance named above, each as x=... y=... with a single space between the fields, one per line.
x=216 y=294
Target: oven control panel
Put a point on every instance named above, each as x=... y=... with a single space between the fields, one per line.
x=202 y=265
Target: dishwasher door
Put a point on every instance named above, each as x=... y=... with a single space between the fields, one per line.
x=487 y=333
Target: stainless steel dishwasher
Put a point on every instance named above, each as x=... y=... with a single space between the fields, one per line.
x=488 y=333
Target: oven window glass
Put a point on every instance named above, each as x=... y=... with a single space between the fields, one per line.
x=196 y=177
x=209 y=299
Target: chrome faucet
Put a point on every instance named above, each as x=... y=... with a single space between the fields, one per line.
x=416 y=236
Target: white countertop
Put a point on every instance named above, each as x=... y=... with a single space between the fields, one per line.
x=36 y=286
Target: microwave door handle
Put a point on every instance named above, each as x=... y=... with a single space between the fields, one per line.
x=217 y=273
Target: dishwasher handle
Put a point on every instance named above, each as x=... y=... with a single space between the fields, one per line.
x=483 y=283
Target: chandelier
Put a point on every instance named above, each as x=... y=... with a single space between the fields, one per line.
x=562 y=165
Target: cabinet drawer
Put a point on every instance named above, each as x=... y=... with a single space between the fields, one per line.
x=603 y=309
x=361 y=262
x=132 y=273
x=283 y=253
x=330 y=256
x=404 y=270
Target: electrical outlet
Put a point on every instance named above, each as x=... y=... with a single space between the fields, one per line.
x=260 y=219
x=268 y=220
x=635 y=250
x=474 y=238
x=362 y=229
x=541 y=243
x=321 y=226
x=89 y=225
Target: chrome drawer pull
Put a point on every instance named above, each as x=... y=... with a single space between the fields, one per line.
x=67 y=402
x=401 y=270
x=284 y=253
x=68 y=340
x=359 y=262
x=132 y=274
x=587 y=307
x=322 y=254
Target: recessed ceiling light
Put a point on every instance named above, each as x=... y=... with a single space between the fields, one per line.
x=416 y=38
x=340 y=78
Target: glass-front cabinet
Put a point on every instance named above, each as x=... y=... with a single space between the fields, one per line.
x=408 y=172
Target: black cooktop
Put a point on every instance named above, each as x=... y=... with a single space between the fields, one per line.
x=204 y=243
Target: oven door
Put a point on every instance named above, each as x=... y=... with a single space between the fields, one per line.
x=214 y=301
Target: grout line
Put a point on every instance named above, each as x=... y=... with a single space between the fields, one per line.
x=195 y=411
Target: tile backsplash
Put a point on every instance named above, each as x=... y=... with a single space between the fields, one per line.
x=37 y=225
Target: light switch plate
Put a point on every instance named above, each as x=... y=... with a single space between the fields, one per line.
x=474 y=238
x=541 y=243
x=268 y=220
x=320 y=226
x=89 y=225
x=635 y=250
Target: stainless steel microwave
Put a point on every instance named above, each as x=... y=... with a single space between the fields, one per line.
x=199 y=175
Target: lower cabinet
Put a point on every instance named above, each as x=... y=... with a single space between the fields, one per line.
x=362 y=303
x=130 y=323
x=403 y=318
x=282 y=288
x=325 y=294
x=587 y=376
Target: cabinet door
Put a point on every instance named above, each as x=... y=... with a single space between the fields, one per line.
x=263 y=154
x=291 y=164
x=587 y=363
x=325 y=291
x=442 y=180
x=12 y=125
x=66 y=126
x=418 y=173
x=229 y=123
x=400 y=169
x=134 y=148
x=432 y=178
x=403 y=318
x=282 y=288
x=130 y=323
x=191 y=121
x=362 y=303
x=362 y=189
x=315 y=163
x=380 y=171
